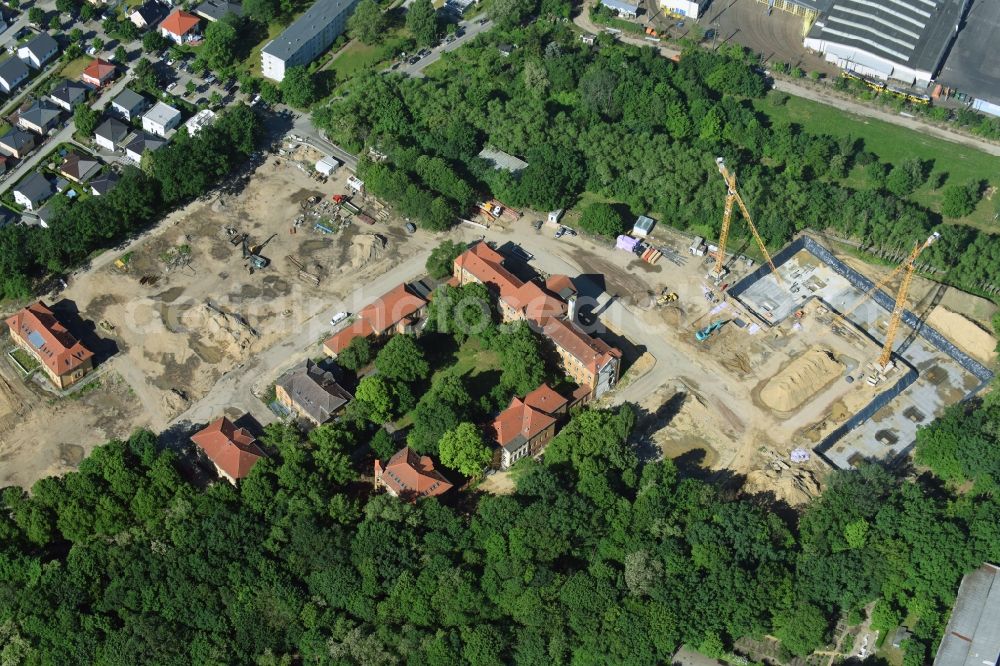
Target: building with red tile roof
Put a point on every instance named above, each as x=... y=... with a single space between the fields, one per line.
x=98 y=73
x=233 y=450
x=63 y=358
x=547 y=400
x=549 y=308
x=397 y=311
x=520 y=431
x=181 y=27
x=410 y=476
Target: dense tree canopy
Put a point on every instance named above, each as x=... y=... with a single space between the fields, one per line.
x=634 y=128
x=602 y=219
x=594 y=559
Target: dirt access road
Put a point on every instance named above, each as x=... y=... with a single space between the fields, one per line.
x=193 y=329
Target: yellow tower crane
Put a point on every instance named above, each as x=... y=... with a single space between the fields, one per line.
x=885 y=362
x=732 y=196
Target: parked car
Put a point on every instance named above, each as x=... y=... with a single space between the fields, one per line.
x=410 y=227
x=210 y=79
x=560 y=231
x=339 y=317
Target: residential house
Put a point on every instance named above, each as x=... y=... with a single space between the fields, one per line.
x=146 y=14
x=203 y=118
x=410 y=476
x=233 y=450
x=161 y=119
x=397 y=311
x=103 y=183
x=98 y=73
x=307 y=37
x=548 y=401
x=129 y=105
x=33 y=191
x=7 y=216
x=79 y=168
x=143 y=142
x=505 y=50
x=625 y=9
x=39 y=117
x=521 y=430
x=38 y=50
x=68 y=94
x=181 y=27
x=17 y=142
x=46 y=214
x=213 y=10
x=311 y=393
x=12 y=73
x=40 y=333
x=110 y=134
x=4 y=163
x=549 y=308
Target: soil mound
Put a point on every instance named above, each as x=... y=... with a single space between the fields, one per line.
x=801 y=379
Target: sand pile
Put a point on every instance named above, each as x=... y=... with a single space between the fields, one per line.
x=964 y=333
x=795 y=486
x=366 y=248
x=216 y=328
x=801 y=379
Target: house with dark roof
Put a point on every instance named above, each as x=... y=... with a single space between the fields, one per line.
x=39 y=117
x=33 y=191
x=110 y=134
x=38 y=50
x=142 y=143
x=232 y=449
x=549 y=308
x=40 y=333
x=17 y=142
x=79 y=168
x=99 y=73
x=4 y=163
x=68 y=94
x=181 y=27
x=213 y=10
x=311 y=393
x=129 y=105
x=397 y=311
x=146 y=14
x=103 y=183
x=12 y=73
x=410 y=476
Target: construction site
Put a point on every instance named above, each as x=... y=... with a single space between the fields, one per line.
x=206 y=293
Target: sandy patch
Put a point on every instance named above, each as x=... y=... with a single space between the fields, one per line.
x=964 y=333
x=801 y=379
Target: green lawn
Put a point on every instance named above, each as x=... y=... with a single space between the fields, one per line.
x=24 y=359
x=354 y=57
x=74 y=68
x=894 y=144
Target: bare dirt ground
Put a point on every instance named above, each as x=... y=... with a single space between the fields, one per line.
x=186 y=312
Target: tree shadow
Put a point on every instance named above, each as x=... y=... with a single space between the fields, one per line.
x=85 y=331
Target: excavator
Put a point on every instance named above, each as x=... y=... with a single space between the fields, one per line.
x=253 y=253
x=706 y=333
x=666 y=297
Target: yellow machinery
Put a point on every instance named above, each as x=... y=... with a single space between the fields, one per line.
x=732 y=196
x=885 y=363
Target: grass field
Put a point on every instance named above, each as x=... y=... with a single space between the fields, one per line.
x=74 y=68
x=353 y=58
x=894 y=144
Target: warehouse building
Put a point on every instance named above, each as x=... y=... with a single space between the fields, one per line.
x=685 y=8
x=972 y=637
x=306 y=38
x=901 y=41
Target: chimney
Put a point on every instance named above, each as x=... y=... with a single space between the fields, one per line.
x=571 y=308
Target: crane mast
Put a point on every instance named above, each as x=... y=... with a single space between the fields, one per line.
x=732 y=196
x=885 y=360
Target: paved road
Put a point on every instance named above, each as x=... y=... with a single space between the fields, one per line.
x=63 y=135
x=303 y=127
x=471 y=28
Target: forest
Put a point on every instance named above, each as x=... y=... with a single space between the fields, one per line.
x=186 y=168
x=618 y=123
x=596 y=558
